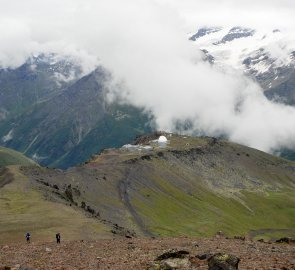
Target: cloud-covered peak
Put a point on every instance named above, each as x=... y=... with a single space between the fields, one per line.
x=144 y=45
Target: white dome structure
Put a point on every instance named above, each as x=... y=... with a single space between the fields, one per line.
x=162 y=139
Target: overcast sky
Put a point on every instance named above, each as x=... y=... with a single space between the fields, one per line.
x=144 y=43
x=253 y=13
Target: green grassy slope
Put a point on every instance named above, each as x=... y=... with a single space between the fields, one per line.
x=23 y=208
x=194 y=187
x=169 y=210
x=11 y=157
x=224 y=187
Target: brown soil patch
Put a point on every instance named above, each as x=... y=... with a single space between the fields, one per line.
x=140 y=253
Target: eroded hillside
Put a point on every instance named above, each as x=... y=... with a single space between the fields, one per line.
x=191 y=186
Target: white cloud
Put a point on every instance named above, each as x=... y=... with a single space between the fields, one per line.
x=251 y=13
x=144 y=44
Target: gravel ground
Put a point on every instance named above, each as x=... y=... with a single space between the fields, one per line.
x=140 y=253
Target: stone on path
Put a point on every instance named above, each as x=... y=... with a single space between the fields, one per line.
x=222 y=261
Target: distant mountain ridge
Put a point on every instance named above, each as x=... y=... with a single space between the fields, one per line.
x=59 y=116
x=37 y=80
x=54 y=114
x=266 y=57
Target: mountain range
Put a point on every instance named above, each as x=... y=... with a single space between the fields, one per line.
x=267 y=57
x=59 y=117
x=54 y=113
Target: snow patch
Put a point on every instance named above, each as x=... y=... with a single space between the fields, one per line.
x=277 y=46
x=8 y=136
x=30 y=145
x=261 y=67
x=137 y=148
x=62 y=78
x=37 y=158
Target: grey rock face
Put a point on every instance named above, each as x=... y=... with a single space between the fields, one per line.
x=235 y=33
x=203 y=32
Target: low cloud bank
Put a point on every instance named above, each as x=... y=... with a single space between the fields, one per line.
x=145 y=46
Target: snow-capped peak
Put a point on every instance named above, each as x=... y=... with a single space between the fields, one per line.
x=244 y=48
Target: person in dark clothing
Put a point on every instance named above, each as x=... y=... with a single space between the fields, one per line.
x=57 y=236
x=28 y=237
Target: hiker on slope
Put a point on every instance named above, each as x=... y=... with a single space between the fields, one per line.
x=57 y=236
x=28 y=237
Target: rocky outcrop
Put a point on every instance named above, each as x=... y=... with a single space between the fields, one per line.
x=287 y=240
x=222 y=261
x=171 y=260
